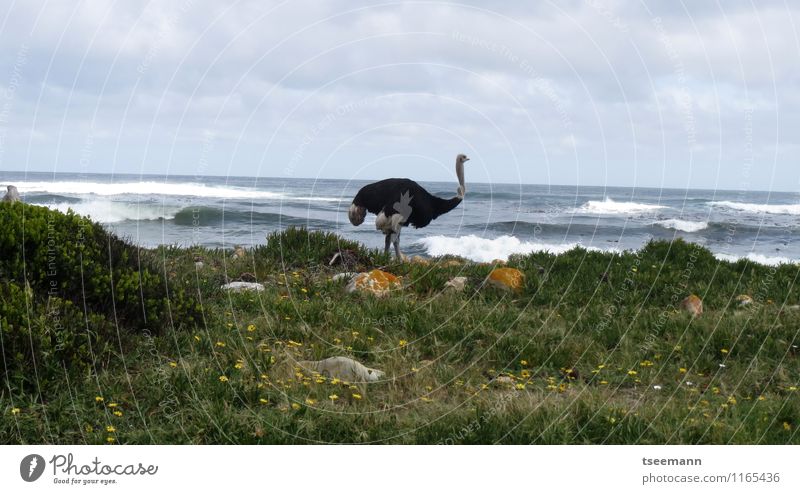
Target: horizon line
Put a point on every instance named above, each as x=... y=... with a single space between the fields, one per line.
x=797 y=191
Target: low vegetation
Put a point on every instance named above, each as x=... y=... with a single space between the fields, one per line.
x=593 y=350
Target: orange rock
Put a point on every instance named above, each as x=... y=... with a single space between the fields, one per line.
x=507 y=279
x=376 y=282
x=693 y=305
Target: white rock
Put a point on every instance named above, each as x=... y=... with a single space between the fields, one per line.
x=343 y=368
x=343 y=276
x=243 y=286
x=458 y=283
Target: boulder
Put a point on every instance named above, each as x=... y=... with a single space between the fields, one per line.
x=693 y=305
x=243 y=286
x=343 y=368
x=458 y=283
x=744 y=300
x=377 y=282
x=12 y=195
x=509 y=279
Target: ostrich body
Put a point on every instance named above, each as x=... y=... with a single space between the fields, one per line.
x=400 y=202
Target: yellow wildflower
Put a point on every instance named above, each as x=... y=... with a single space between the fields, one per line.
x=523 y=362
x=220 y=344
x=403 y=343
x=520 y=386
x=311 y=401
x=112 y=405
x=603 y=382
x=110 y=428
x=117 y=413
x=724 y=350
x=223 y=379
x=682 y=370
x=251 y=327
x=295 y=406
x=632 y=372
x=238 y=365
x=15 y=411
x=787 y=426
x=356 y=396
x=263 y=401
x=109 y=440
x=98 y=399
x=173 y=364
x=333 y=397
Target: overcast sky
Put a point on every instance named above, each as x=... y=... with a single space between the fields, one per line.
x=597 y=92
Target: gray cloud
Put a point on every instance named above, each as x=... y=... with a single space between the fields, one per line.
x=594 y=92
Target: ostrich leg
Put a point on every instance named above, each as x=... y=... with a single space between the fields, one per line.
x=396 y=241
x=388 y=242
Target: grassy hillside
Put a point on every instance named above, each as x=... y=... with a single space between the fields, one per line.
x=593 y=350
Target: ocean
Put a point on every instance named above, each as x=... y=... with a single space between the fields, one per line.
x=494 y=221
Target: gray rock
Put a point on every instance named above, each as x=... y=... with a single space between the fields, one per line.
x=243 y=286
x=12 y=195
x=458 y=283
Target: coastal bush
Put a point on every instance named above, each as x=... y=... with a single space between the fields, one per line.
x=43 y=338
x=67 y=256
x=298 y=247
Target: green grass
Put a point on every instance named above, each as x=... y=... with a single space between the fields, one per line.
x=583 y=344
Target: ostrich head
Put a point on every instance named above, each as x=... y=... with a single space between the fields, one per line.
x=460 y=160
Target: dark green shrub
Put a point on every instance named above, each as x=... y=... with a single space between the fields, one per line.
x=70 y=257
x=42 y=338
x=297 y=247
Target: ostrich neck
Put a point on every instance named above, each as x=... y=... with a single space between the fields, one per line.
x=460 y=173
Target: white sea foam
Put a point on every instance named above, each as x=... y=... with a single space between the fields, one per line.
x=758 y=208
x=158 y=189
x=114 y=212
x=612 y=207
x=488 y=249
x=683 y=225
x=758 y=259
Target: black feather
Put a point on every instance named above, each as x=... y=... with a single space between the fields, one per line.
x=381 y=197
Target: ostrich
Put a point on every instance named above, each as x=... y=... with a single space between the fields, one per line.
x=400 y=202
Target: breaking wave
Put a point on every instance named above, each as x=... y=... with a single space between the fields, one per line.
x=758 y=208
x=488 y=249
x=609 y=206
